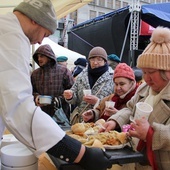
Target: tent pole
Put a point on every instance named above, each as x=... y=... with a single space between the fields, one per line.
x=125 y=37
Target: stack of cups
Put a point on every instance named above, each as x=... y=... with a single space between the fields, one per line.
x=18 y=157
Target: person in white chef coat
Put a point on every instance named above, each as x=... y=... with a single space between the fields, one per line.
x=30 y=22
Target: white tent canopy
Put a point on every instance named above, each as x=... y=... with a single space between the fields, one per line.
x=61 y=51
x=61 y=7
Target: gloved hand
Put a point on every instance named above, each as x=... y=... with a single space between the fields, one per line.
x=95 y=158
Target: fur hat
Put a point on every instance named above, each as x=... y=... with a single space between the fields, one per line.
x=98 y=51
x=157 y=54
x=40 y=11
x=123 y=70
x=61 y=59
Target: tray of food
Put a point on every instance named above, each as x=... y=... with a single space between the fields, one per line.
x=88 y=134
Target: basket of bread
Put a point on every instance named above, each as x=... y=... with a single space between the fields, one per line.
x=88 y=134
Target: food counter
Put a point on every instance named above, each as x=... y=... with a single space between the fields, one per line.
x=120 y=156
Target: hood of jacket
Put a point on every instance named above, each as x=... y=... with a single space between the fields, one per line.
x=47 y=51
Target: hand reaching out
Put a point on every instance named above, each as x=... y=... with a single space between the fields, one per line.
x=139 y=129
x=88 y=115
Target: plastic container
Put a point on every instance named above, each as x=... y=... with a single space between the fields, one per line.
x=18 y=157
x=45 y=99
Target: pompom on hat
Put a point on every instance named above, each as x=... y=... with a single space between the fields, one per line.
x=157 y=54
x=40 y=11
x=98 y=52
x=123 y=70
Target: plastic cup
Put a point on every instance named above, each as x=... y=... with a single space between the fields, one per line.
x=109 y=104
x=87 y=92
x=143 y=110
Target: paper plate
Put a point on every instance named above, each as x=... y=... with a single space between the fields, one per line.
x=115 y=146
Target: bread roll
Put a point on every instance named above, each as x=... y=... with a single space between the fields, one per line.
x=100 y=121
x=78 y=128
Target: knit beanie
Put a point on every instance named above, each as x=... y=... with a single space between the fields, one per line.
x=123 y=70
x=157 y=54
x=98 y=52
x=40 y=11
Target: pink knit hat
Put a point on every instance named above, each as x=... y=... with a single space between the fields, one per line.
x=123 y=70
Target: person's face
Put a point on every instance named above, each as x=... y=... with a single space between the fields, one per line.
x=42 y=60
x=153 y=78
x=122 y=85
x=63 y=63
x=37 y=34
x=96 y=62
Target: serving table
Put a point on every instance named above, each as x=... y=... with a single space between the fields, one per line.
x=121 y=156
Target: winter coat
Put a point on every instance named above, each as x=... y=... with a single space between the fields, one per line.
x=159 y=119
x=51 y=79
x=102 y=87
x=18 y=112
x=119 y=103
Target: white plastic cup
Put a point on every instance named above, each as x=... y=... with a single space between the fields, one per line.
x=87 y=92
x=143 y=110
x=109 y=104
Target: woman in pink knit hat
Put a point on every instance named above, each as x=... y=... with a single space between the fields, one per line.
x=124 y=88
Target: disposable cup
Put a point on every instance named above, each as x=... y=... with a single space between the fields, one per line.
x=87 y=92
x=109 y=104
x=143 y=110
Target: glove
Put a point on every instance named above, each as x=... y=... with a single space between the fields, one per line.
x=95 y=158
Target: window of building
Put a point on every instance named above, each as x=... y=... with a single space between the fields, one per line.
x=92 y=14
x=110 y=4
x=93 y=2
x=102 y=3
x=73 y=16
x=101 y=13
x=125 y=4
x=117 y=4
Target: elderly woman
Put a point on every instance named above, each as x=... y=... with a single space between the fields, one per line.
x=95 y=77
x=154 y=133
x=124 y=88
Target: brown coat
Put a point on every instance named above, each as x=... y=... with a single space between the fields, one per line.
x=159 y=120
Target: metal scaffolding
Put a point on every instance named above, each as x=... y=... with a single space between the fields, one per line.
x=135 y=9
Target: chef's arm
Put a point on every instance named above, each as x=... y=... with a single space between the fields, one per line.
x=71 y=150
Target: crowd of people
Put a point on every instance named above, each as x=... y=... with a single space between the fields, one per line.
x=107 y=78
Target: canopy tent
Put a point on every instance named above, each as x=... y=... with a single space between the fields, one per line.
x=109 y=30
x=62 y=7
x=60 y=51
x=156 y=14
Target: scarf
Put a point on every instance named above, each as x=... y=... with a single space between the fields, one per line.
x=120 y=102
x=94 y=74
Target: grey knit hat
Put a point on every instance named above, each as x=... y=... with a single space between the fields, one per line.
x=98 y=52
x=40 y=11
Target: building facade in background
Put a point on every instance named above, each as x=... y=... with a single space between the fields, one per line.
x=94 y=9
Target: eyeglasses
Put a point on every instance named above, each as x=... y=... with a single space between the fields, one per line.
x=97 y=60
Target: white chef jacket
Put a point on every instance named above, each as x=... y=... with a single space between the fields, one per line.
x=20 y=115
